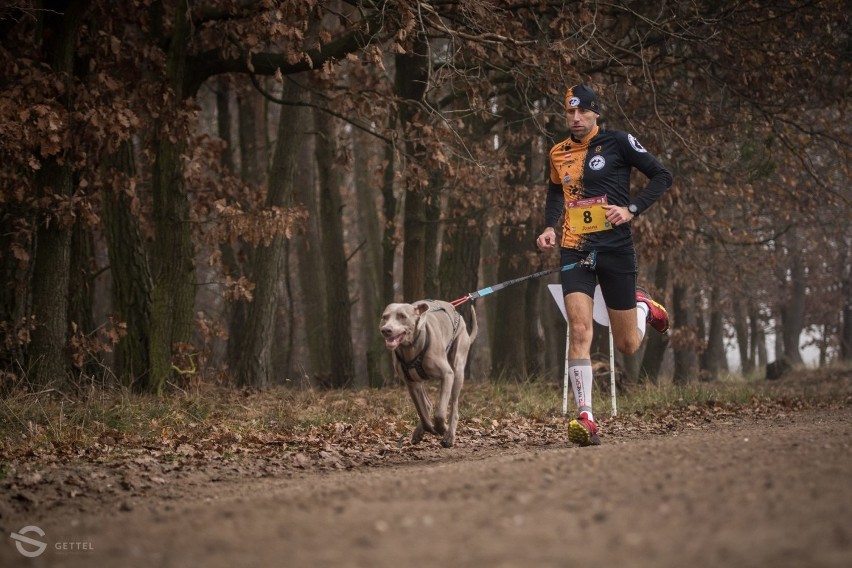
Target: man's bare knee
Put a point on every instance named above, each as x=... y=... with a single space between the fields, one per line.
x=581 y=332
x=628 y=346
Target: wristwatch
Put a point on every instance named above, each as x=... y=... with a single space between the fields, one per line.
x=634 y=210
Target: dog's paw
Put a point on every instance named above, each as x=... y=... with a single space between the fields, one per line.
x=417 y=436
x=448 y=441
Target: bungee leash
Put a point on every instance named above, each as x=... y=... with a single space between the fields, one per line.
x=588 y=262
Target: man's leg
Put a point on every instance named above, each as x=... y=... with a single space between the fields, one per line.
x=629 y=307
x=578 y=288
x=578 y=305
x=628 y=328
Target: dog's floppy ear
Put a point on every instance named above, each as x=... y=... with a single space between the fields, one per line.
x=421 y=308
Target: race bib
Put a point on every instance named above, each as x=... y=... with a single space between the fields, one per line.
x=588 y=215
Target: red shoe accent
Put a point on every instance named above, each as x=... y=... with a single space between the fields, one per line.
x=658 y=317
x=583 y=432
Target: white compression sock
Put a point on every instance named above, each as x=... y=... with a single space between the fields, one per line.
x=580 y=372
x=641 y=317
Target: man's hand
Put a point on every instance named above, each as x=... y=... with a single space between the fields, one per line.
x=546 y=239
x=617 y=215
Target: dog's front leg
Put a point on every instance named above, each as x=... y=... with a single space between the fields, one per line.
x=424 y=410
x=459 y=359
x=447 y=380
x=450 y=436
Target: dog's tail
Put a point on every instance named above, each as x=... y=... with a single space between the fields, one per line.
x=474 y=327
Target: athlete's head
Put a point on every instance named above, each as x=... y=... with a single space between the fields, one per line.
x=581 y=110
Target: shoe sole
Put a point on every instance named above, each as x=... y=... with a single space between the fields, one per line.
x=578 y=434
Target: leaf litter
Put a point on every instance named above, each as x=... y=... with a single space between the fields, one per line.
x=120 y=468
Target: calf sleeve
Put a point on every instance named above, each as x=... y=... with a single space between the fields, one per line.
x=641 y=317
x=580 y=373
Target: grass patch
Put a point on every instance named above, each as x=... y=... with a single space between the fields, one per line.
x=644 y=398
x=30 y=422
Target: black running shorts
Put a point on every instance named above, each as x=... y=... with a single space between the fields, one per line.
x=615 y=271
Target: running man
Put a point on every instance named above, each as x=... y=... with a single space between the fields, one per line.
x=590 y=174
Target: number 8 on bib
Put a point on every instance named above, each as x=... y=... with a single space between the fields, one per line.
x=588 y=215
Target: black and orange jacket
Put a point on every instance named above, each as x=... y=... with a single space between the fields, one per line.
x=600 y=165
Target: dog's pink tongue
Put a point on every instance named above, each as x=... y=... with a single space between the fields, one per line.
x=393 y=342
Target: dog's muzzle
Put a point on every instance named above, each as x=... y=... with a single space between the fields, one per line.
x=392 y=341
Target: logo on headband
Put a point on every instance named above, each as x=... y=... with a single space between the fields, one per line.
x=574 y=101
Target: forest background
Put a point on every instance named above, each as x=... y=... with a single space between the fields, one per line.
x=230 y=191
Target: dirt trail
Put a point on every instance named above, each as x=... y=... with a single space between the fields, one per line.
x=773 y=492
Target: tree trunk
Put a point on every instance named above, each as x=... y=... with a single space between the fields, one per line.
x=685 y=358
x=516 y=310
x=48 y=361
x=534 y=342
x=793 y=309
x=311 y=275
x=741 y=329
x=252 y=125
x=758 y=338
x=16 y=276
x=656 y=343
x=255 y=364
x=173 y=293
x=846 y=316
x=432 y=242
x=338 y=305
x=389 y=234
x=714 y=359
x=460 y=256
x=411 y=78
x=234 y=312
x=509 y=357
x=131 y=275
x=81 y=293
x=414 y=247
x=370 y=268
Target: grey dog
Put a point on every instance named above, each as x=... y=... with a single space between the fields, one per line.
x=429 y=340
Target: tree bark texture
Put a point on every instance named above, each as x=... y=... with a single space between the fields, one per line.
x=173 y=293
x=48 y=361
x=741 y=329
x=390 y=206
x=255 y=364
x=685 y=357
x=234 y=313
x=655 y=345
x=411 y=79
x=846 y=318
x=130 y=272
x=793 y=309
x=432 y=236
x=252 y=125
x=312 y=276
x=509 y=357
x=713 y=359
x=14 y=297
x=367 y=155
x=516 y=311
x=338 y=306
x=758 y=337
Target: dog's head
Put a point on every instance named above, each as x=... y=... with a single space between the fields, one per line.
x=399 y=323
